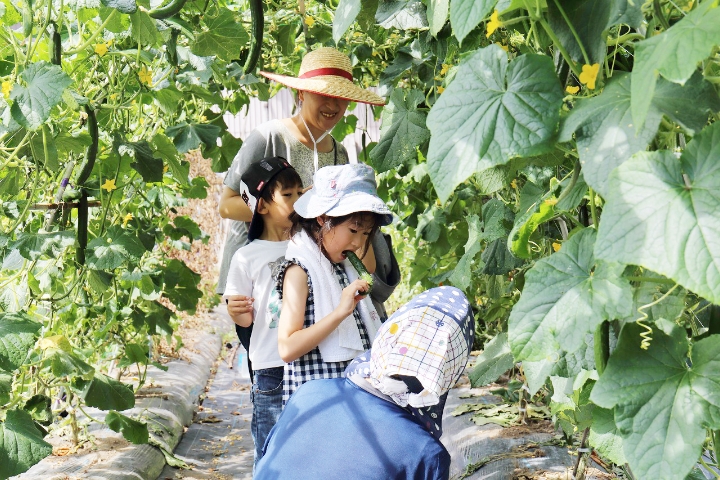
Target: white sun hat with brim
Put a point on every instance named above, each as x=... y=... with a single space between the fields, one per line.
x=340 y=190
x=328 y=72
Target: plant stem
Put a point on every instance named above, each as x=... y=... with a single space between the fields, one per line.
x=624 y=38
x=94 y=35
x=659 y=14
x=572 y=30
x=556 y=41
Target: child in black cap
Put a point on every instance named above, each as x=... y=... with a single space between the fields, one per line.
x=270 y=188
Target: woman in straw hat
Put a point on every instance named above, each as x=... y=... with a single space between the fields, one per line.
x=325 y=88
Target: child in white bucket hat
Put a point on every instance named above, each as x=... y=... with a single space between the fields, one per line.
x=326 y=319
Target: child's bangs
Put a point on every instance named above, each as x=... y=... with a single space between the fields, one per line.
x=288 y=178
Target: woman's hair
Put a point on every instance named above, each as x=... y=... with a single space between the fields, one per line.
x=317 y=231
x=286 y=178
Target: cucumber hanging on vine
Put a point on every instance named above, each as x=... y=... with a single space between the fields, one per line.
x=168 y=10
x=362 y=271
x=56 y=45
x=257 y=14
x=91 y=153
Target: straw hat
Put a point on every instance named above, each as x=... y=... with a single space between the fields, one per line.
x=326 y=71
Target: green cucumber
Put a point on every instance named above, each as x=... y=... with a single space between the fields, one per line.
x=168 y=10
x=362 y=271
x=258 y=25
x=92 y=150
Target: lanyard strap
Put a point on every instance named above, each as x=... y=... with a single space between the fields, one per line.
x=315 y=142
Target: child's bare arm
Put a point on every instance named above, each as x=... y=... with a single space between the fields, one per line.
x=294 y=340
x=240 y=309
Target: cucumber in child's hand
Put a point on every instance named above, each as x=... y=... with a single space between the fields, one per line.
x=360 y=267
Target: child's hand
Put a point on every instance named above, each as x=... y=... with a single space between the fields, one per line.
x=351 y=295
x=239 y=304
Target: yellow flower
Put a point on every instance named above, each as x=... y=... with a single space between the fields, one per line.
x=494 y=23
x=109 y=185
x=556 y=246
x=572 y=89
x=101 y=48
x=165 y=168
x=309 y=21
x=145 y=76
x=444 y=69
x=589 y=75
x=504 y=47
x=513 y=184
x=7 y=87
x=551 y=201
x=127 y=218
x=440 y=89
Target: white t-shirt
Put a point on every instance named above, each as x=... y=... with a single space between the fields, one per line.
x=251 y=274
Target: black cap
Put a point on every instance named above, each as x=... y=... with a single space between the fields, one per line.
x=253 y=182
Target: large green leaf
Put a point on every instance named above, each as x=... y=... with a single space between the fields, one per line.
x=149 y=167
x=604 y=130
x=5 y=387
x=43 y=89
x=164 y=149
x=122 y=6
x=590 y=19
x=18 y=333
x=662 y=401
x=495 y=360
x=462 y=275
x=437 y=13
x=652 y=218
x=105 y=393
x=144 y=29
x=181 y=285
x=224 y=37
x=674 y=54
x=566 y=295
x=345 y=14
x=133 y=431
x=497 y=259
x=188 y=137
x=605 y=438
x=114 y=248
x=402 y=14
x=403 y=130
x=491 y=113
x=466 y=14
x=21 y=445
x=34 y=245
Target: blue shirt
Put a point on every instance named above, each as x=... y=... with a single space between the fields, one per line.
x=333 y=429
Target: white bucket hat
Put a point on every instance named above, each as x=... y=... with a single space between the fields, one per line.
x=340 y=190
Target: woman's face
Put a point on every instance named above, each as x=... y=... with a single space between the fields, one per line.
x=320 y=112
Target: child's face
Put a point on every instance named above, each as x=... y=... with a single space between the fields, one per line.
x=279 y=210
x=349 y=235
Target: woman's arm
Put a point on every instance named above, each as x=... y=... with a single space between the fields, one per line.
x=295 y=341
x=232 y=206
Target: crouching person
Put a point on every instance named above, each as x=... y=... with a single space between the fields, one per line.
x=383 y=421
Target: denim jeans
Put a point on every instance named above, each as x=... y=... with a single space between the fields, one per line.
x=266 y=395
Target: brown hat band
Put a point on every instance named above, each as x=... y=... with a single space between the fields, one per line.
x=338 y=72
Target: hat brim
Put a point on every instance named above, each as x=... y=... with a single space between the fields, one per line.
x=330 y=86
x=311 y=205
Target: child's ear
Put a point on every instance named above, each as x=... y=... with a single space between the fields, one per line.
x=261 y=207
